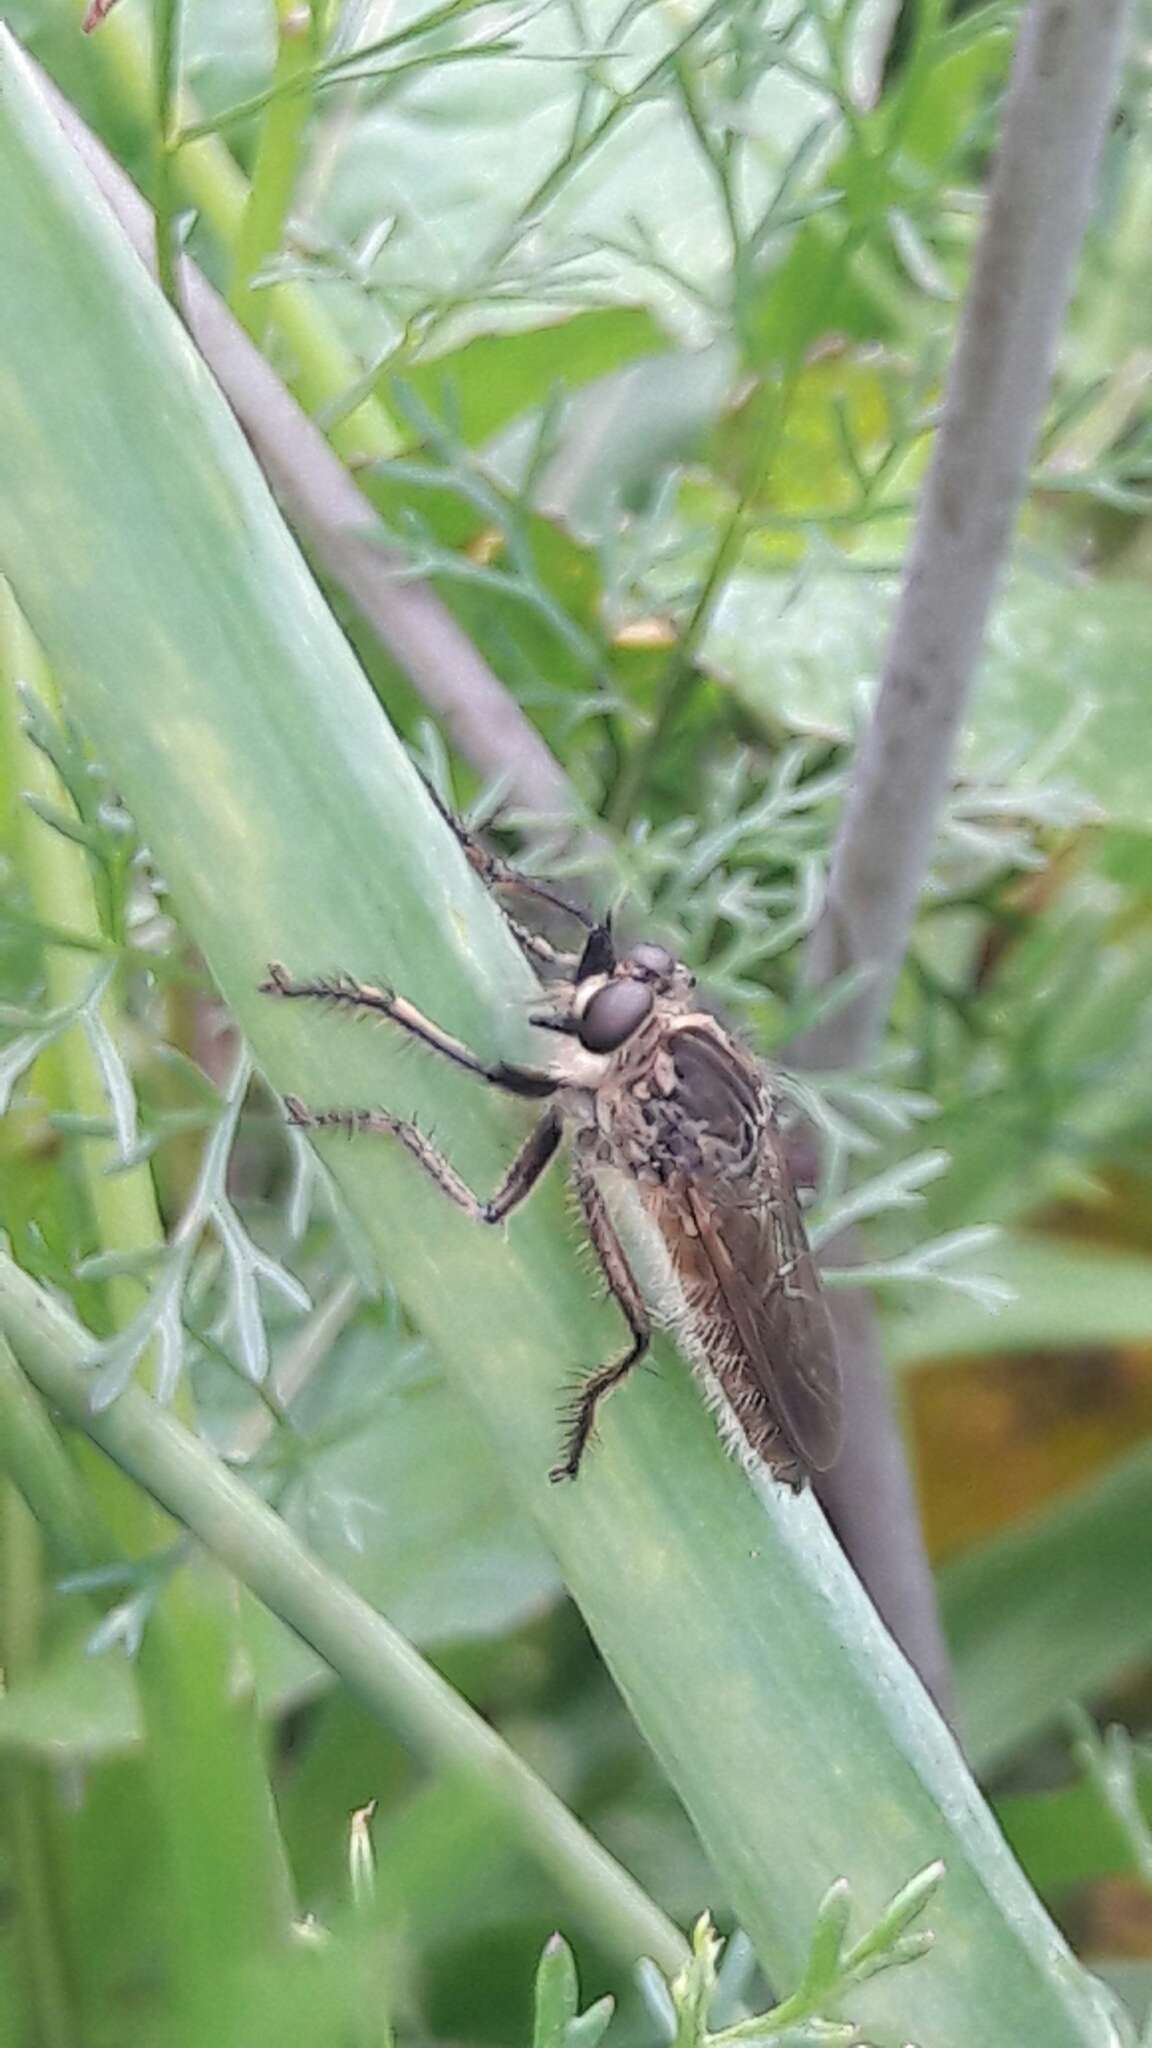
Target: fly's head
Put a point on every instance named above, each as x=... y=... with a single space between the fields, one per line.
x=611 y=996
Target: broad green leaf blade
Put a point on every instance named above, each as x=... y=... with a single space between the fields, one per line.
x=191 y=642
x=1062 y=1294
x=496 y=378
x=74 y=1709
x=645 y=188
x=1068 y=1837
x=1051 y=1611
x=1064 y=676
x=448 y=1563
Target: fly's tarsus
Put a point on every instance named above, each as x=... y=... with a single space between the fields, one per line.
x=580 y=1414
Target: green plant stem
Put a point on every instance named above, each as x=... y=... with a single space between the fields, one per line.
x=336 y=523
x=205 y=176
x=681 y=676
x=50 y=2009
x=333 y=70
x=680 y=679
x=585 y=147
x=582 y=148
x=392 y=1679
x=230 y=1888
x=28 y=1800
x=722 y=169
x=276 y=166
x=165 y=62
x=37 y=1464
x=60 y=886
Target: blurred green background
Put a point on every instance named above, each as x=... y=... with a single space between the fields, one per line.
x=570 y=288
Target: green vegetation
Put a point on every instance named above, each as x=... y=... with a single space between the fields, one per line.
x=322 y=1710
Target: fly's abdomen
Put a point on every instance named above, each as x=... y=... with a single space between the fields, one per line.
x=682 y=1294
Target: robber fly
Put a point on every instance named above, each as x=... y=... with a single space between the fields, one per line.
x=678 y=1166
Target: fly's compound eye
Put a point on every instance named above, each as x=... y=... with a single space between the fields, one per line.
x=613 y=1014
x=653 y=960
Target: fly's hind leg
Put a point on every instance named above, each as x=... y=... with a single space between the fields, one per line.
x=518 y=1182
x=626 y=1294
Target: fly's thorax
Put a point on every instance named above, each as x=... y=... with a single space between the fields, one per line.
x=682 y=1103
x=639 y=1075
x=578 y=1070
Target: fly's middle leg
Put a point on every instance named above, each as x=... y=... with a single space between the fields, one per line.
x=626 y=1294
x=517 y=1184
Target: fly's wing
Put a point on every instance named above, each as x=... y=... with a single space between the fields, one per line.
x=750 y=1236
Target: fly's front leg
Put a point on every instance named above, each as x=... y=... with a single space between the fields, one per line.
x=627 y=1296
x=518 y=1182
x=364 y=999
x=495 y=872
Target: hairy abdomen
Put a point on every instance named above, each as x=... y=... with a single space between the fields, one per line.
x=665 y=1261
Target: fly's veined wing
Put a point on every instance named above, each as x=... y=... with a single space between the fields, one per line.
x=750 y=1235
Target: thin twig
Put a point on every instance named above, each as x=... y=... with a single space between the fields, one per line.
x=1063 y=83
x=341 y=528
x=1064 y=80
